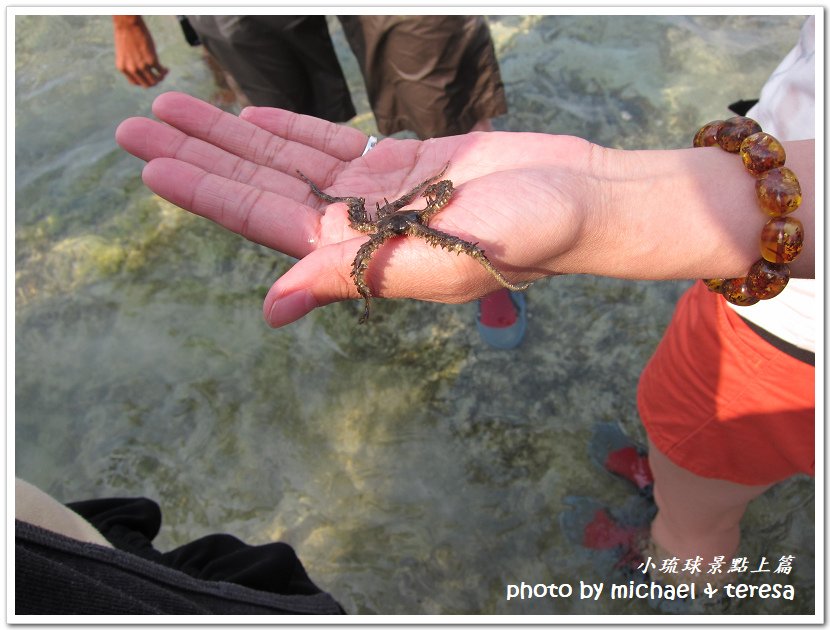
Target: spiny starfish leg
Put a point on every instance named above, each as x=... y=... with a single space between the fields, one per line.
x=359 y=266
x=358 y=218
x=437 y=196
x=389 y=222
x=390 y=207
x=459 y=246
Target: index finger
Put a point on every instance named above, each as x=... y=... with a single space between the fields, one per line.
x=261 y=216
x=339 y=141
x=288 y=141
x=149 y=139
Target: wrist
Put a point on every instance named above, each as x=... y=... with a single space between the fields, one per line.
x=122 y=22
x=688 y=213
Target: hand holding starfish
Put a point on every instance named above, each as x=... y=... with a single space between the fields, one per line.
x=242 y=173
x=539 y=204
x=391 y=221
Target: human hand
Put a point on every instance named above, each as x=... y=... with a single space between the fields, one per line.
x=135 y=52
x=242 y=173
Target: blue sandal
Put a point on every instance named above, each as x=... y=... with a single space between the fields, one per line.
x=508 y=337
x=613 y=451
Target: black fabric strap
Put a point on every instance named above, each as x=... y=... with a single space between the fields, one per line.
x=743 y=106
x=56 y=575
x=805 y=356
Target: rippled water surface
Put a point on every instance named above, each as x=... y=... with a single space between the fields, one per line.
x=413 y=469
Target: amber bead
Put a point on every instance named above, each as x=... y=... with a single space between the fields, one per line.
x=761 y=152
x=782 y=239
x=735 y=131
x=715 y=284
x=765 y=280
x=779 y=194
x=735 y=291
x=707 y=135
x=778 y=191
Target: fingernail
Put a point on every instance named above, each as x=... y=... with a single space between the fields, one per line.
x=291 y=307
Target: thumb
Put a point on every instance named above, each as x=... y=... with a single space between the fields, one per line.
x=320 y=278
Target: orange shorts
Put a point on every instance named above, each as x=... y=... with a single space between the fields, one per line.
x=721 y=402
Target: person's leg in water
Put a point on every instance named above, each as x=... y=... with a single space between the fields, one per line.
x=696 y=516
x=501 y=320
x=501 y=315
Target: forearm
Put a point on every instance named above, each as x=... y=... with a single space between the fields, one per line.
x=135 y=52
x=689 y=213
x=127 y=21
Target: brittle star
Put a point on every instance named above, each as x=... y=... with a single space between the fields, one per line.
x=390 y=222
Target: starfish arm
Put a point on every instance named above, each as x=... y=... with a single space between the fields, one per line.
x=460 y=246
x=437 y=195
x=358 y=219
x=361 y=263
x=387 y=208
x=393 y=206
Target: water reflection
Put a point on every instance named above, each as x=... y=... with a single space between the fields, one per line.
x=414 y=470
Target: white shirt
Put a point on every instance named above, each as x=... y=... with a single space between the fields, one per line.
x=786 y=109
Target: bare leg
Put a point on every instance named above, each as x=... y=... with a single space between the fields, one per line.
x=697 y=516
x=227 y=89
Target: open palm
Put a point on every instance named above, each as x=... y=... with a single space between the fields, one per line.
x=242 y=173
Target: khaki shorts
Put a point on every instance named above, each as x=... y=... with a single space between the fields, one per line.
x=721 y=402
x=434 y=75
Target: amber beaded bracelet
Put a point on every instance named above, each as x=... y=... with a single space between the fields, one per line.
x=779 y=194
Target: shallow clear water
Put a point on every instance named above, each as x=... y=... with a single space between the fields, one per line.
x=413 y=469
